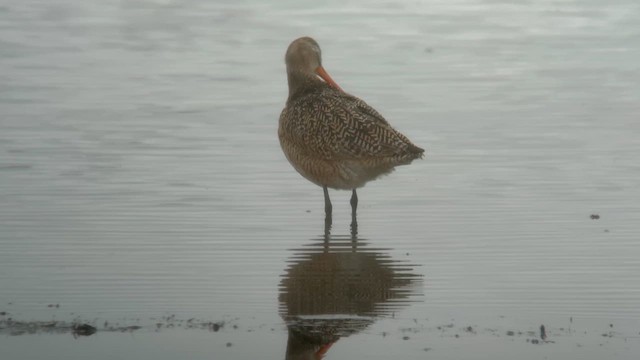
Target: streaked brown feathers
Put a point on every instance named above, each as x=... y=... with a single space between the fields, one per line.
x=335 y=139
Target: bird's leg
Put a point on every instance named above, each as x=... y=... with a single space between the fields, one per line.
x=327 y=229
x=354 y=202
x=354 y=207
x=327 y=202
x=327 y=208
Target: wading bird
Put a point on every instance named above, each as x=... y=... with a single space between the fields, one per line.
x=332 y=138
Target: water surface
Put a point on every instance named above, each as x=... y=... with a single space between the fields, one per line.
x=141 y=178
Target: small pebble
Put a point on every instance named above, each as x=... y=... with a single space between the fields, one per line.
x=405 y=338
x=595 y=216
x=216 y=326
x=510 y=333
x=83 y=330
x=229 y=344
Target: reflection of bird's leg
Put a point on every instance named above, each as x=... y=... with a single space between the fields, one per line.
x=354 y=235
x=327 y=211
x=354 y=207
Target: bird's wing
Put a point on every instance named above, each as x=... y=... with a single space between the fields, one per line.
x=338 y=126
x=363 y=132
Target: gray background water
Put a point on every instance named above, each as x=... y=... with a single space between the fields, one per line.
x=141 y=175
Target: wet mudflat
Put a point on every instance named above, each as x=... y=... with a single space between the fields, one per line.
x=172 y=337
x=147 y=210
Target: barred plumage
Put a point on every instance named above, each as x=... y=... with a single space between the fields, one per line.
x=330 y=137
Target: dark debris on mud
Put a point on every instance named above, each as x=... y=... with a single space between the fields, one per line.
x=542 y=335
x=82 y=327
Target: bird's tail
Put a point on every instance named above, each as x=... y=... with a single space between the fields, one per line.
x=415 y=151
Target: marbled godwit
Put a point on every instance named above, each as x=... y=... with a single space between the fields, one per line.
x=334 y=139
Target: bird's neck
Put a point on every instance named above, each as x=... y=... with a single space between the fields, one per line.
x=301 y=82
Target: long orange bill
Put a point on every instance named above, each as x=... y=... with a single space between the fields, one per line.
x=323 y=74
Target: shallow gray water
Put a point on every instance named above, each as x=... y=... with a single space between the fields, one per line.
x=141 y=177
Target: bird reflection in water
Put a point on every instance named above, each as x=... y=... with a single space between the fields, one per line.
x=336 y=286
